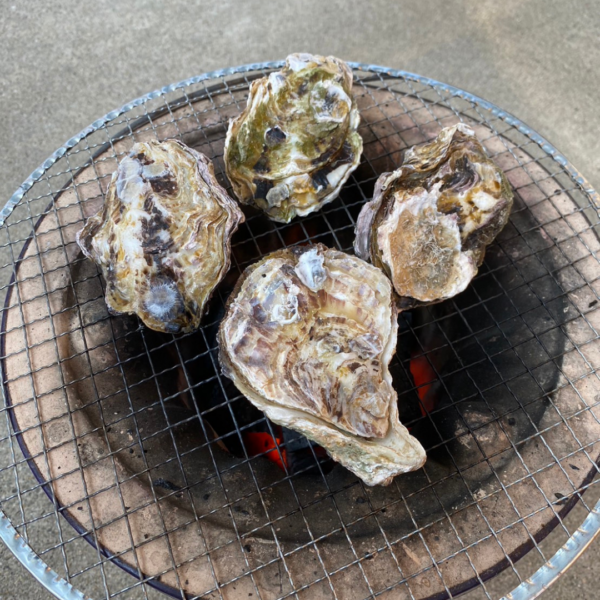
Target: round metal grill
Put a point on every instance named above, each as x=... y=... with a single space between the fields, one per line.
x=142 y=446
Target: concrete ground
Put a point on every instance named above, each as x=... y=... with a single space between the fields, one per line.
x=65 y=63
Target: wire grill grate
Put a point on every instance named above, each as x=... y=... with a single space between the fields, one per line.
x=138 y=440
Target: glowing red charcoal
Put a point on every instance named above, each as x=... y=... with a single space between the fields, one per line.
x=423 y=376
x=289 y=450
x=257 y=442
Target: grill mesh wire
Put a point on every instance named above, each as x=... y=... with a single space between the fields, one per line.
x=550 y=249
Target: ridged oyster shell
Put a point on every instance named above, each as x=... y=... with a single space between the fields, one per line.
x=295 y=144
x=431 y=220
x=162 y=237
x=307 y=337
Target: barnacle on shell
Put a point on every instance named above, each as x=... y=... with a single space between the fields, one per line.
x=162 y=237
x=307 y=337
x=430 y=221
x=295 y=144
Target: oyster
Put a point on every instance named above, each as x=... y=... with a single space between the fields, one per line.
x=307 y=337
x=295 y=144
x=162 y=238
x=430 y=221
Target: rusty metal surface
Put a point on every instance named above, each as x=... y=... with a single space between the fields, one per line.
x=132 y=428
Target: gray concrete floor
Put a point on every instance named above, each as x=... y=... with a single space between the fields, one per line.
x=65 y=63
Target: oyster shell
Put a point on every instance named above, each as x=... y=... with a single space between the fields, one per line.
x=162 y=238
x=295 y=143
x=307 y=337
x=430 y=221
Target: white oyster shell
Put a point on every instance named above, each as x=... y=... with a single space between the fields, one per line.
x=295 y=144
x=162 y=237
x=307 y=337
x=431 y=220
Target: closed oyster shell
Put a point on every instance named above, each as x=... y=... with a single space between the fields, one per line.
x=307 y=337
x=162 y=237
x=430 y=221
x=295 y=144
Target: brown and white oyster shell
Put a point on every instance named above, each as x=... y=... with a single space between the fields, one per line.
x=162 y=237
x=431 y=220
x=307 y=337
x=295 y=144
